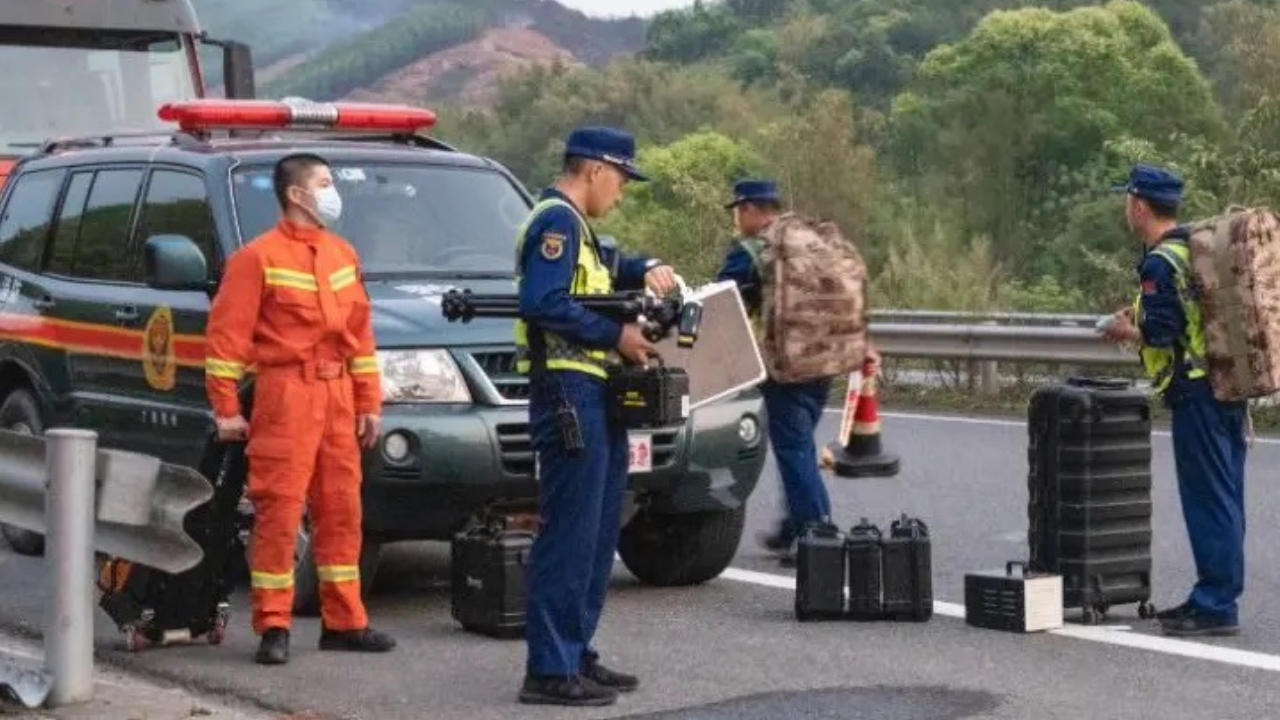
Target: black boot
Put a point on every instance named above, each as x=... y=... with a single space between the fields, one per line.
x=1196 y=624
x=274 y=648
x=366 y=640
x=571 y=690
x=1176 y=613
x=603 y=676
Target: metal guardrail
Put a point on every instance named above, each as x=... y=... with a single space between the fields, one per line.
x=85 y=499
x=1026 y=342
x=982 y=318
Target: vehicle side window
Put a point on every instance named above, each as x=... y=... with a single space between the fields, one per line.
x=178 y=204
x=67 y=231
x=24 y=229
x=102 y=250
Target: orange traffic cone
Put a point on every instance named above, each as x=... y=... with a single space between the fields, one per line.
x=858 y=453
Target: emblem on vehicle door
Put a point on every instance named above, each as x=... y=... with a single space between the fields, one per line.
x=158 y=360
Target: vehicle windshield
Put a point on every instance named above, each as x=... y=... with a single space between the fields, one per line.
x=63 y=82
x=408 y=220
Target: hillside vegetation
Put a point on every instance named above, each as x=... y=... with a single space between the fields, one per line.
x=326 y=49
x=968 y=145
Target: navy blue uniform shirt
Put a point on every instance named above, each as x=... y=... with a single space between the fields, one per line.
x=548 y=276
x=739 y=268
x=1163 y=323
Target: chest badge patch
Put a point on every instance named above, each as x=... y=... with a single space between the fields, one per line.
x=552 y=246
x=158 y=360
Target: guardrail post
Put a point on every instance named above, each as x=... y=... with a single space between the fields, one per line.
x=70 y=457
x=990 y=380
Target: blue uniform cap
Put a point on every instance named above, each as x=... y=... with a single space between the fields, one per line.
x=754 y=191
x=1152 y=183
x=611 y=145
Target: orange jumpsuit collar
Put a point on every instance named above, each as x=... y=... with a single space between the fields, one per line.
x=304 y=232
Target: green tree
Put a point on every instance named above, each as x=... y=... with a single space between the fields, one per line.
x=679 y=215
x=657 y=102
x=998 y=123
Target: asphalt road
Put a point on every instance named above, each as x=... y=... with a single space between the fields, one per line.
x=731 y=648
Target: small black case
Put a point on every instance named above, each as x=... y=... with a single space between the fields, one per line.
x=488 y=575
x=652 y=397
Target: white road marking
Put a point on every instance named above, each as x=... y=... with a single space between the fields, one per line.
x=1110 y=634
x=1004 y=423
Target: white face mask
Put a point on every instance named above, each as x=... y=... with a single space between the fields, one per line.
x=328 y=205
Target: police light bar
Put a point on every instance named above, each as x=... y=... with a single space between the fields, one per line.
x=295 y=114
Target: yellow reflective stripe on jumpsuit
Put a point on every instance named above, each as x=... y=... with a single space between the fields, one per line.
x=590 y=277
x=1159 y=362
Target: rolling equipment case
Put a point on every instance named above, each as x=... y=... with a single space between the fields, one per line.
x=154 y=608
x=1090 y=493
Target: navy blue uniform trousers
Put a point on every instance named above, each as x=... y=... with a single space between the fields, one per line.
x=581 y=501
x=794 y=411
x=1209 y=449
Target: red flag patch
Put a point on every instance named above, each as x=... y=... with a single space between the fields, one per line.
x=1148 y=287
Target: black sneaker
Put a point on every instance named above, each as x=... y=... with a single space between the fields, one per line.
x=603 y=676
x=1174 y=613
x=366 y=640
x=1195 y=624
x=274 y=648
x=787 y=558
x=775 y=542
x=571 y=690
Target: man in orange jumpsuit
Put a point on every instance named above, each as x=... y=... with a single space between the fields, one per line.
x=292 y=303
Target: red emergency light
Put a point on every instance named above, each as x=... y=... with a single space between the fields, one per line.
x=293 y=113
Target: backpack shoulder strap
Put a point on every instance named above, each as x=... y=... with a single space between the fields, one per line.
x=754 y=247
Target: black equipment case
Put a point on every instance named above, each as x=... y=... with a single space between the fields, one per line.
x=488 y=578
x=820 y=567
x=155 y=608
x=1018 y=603
x=1090 y=493
x=908 y=571
x=863 y=552
x=652 y=397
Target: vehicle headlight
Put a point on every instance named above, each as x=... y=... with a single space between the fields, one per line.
x=422 y=376
x=748 y=430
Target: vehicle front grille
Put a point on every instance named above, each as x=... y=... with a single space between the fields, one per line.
x=391 y=472
x=500 y=368
x=517 y=449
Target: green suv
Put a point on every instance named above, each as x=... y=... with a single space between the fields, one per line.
x=102 y=320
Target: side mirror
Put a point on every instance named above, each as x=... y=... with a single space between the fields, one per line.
x=237 y=69
x=173 y=262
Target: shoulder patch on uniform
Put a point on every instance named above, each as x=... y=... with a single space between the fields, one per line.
x=1148 y=287
x=552 y=245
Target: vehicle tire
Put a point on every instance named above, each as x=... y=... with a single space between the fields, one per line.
x=306 y=581
x=684 y=549
x=19 y=413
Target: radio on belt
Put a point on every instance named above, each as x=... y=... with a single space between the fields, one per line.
x=644 y=397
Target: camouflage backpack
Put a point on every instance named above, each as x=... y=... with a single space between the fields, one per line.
x=813 y=322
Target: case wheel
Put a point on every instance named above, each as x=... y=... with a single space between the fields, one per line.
x=218 y=629
x=1146 y=611
x=1091 y=616
x=135 y=639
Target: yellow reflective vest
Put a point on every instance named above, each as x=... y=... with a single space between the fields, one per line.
x=1159 y=363
x=590 y=277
